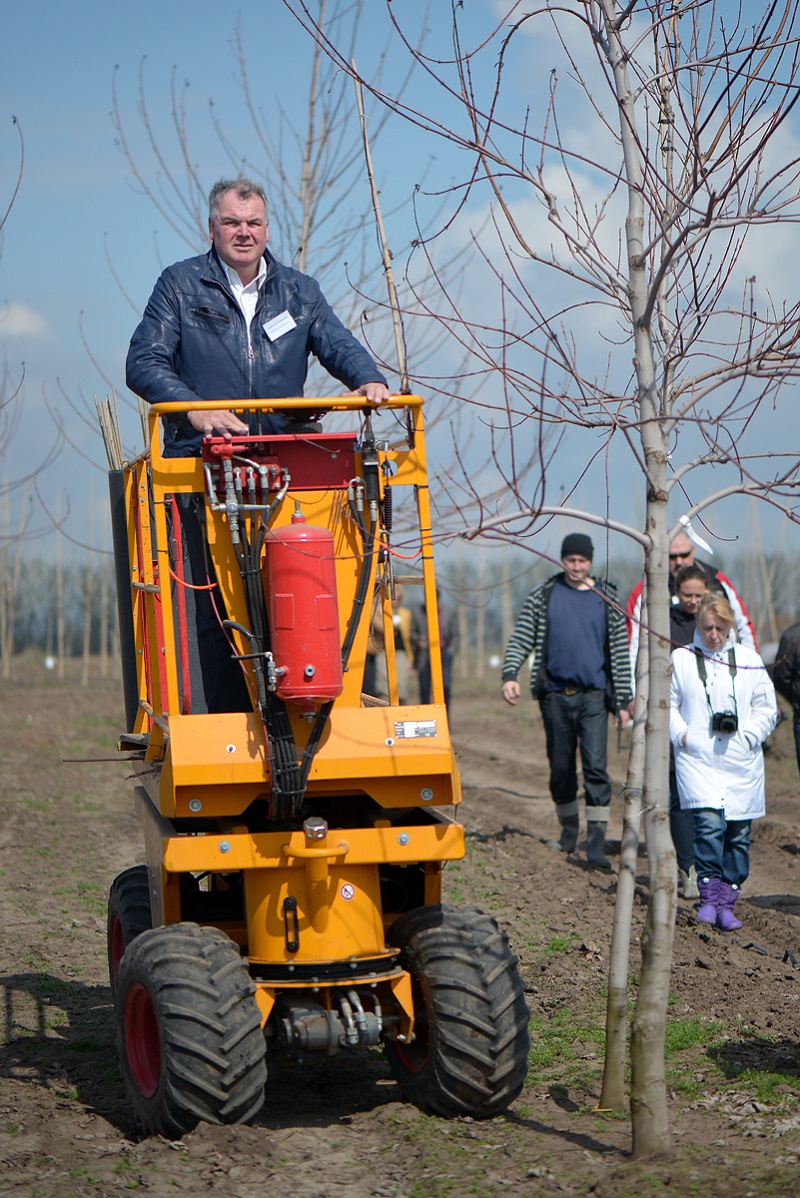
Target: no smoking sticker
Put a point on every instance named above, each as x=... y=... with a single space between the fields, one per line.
x=347 y=891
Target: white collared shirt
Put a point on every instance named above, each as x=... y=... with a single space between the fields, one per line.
x=246 y=296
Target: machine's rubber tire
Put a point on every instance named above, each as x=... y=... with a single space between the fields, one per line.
x=189 y=1034
x=128 y=915
x=469 y=1055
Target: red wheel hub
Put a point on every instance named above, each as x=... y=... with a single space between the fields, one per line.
x=142 y=1042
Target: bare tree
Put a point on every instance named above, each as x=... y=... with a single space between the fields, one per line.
x=632 y=199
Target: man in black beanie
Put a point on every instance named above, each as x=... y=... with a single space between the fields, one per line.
x=574 y=633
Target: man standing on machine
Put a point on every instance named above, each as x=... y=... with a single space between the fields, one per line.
x=235 y=324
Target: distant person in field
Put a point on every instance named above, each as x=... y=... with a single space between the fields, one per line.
x=574 y=634
x=376 y=649
x=722 y=709
x=448 y=642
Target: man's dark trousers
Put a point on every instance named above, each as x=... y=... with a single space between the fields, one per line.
x=572 y=722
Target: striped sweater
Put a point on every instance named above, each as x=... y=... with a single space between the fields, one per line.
x=529 y=638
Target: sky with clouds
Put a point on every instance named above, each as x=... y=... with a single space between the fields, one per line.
x=83 y=245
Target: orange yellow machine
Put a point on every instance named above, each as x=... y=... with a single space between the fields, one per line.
x=291 y=898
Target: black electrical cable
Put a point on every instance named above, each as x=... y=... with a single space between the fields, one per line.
x=287 y=779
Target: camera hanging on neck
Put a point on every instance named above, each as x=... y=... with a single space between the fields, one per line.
x=721 y=721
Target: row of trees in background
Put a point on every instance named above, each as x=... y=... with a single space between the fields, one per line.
x=68 y=610
x=63 y=610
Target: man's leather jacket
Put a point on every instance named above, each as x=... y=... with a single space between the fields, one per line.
x=192 y=342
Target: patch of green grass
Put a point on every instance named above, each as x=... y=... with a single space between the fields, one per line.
x=85 y=805
x=771 y=1087
x=35 y=803
x=686 y=1033
x=768 y=1069
x=35 y=960
x=690 y=1086
x=560 y=944
x=553 y=1039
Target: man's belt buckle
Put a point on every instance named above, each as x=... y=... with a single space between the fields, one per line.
x=571 y=690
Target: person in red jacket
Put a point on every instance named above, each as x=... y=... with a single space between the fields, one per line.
x=682 y=553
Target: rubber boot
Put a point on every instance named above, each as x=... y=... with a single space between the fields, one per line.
x=688 y=882
x=726 y=920
x=709 y=899
x=596 y=843
x=570 y=826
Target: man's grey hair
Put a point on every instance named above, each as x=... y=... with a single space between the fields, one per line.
x=244 y=188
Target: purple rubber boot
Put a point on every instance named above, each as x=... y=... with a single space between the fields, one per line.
x=726 y=920
x=709 y=899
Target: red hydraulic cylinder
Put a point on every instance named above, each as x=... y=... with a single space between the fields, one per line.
x=299 y=576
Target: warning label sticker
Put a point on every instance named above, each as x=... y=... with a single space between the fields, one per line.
x=411 y=729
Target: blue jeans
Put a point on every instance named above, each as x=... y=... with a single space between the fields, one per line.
x=721 y=847
x=572 y=722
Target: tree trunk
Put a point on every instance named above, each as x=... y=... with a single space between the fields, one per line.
x=648 y=1082
x=506 y=607
x=87 y=604
x=60 y=639
x=463 y=659
x=480 y=620
x=612 y=1097
x=104 y=618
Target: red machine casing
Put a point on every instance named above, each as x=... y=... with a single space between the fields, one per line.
x=299 y=576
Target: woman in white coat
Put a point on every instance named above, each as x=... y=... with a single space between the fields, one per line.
x=722 y=708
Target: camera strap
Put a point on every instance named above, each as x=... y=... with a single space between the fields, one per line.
x=701 y=670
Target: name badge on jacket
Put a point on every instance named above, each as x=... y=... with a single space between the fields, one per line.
x=284 y=322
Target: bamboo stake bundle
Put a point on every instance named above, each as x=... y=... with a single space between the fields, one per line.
x=87 y=605
x=108 y=419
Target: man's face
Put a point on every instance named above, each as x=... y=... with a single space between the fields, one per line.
x=576 y=568
x=690 y=593
x=240 y=233
x=681 y=553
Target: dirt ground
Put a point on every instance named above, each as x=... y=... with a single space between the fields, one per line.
x=339 y=1128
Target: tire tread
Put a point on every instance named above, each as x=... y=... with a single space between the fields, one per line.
x=214 y=1052
x=478 y=1044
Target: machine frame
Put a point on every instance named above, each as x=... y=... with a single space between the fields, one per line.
x=314 y=884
